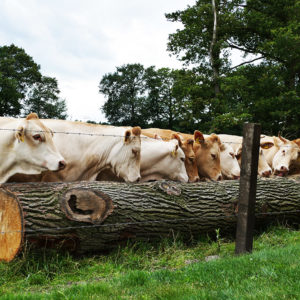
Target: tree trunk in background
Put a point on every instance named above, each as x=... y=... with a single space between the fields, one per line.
x=215 y=55
x=92 y=216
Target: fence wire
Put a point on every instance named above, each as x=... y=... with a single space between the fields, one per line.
x=116 y=135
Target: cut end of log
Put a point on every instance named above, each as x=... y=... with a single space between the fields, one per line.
x=11 y=226
x=86 y=205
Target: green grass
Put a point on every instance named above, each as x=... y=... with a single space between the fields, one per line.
x=168 y=270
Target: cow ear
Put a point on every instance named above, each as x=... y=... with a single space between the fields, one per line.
x=20 y=134
x=175 y=151
x=127 y=136
x=266 y=145
x=282 y=139
x=198 y=137
x=32 y=116
x=136 y=131
x=177 y=137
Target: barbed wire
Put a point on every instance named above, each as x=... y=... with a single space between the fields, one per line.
x=119 y=135
x=51 y=229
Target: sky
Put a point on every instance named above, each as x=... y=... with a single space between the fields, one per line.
x=79 y=41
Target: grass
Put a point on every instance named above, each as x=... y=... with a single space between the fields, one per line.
x=168 y=270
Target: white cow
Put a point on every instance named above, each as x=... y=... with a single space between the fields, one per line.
x=229 y=164
x=159 y=160
x=236 y=143
x=280 y=153
x=26 y=146
x=90 y=149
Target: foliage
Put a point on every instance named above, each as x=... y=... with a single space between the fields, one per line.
x=167 y=270
x=23 y=89
x=211 y=94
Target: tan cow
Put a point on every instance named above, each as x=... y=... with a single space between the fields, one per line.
x=91 y=148
x=185 y=145
x=26 y=146
x=207 y=150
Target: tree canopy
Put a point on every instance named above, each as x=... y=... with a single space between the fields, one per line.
x=24 y=89
x=210 y=93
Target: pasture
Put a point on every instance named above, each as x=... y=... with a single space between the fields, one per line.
x=169 y=269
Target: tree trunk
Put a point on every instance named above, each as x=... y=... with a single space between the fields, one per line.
x=214 y=53
x=92 y=216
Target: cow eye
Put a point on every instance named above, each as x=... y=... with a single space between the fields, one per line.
x=231 y=154
x=37 y=137
x=182 y=159
x=213 y=156
x=191 y=159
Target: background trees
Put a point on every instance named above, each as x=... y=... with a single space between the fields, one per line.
x=24 y=89
x=213 y=95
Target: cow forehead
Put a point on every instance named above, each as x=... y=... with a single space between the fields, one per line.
x=36 y=124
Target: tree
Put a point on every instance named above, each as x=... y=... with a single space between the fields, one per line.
x=271 y=29
x=124 y=90
x=24 y=89
x=44 y=99
x=228 y=96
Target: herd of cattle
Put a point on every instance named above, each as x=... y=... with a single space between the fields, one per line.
x=55 y=150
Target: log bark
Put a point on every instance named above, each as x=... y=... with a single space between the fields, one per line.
x=92 y=216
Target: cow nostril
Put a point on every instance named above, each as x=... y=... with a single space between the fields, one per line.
x=220 y=177
x=139 y=179
x=62 y=164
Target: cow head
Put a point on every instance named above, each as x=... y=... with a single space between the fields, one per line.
x=287 y=154
x=230 y=167
x=34 y=147
x=125 y=156
x=190 y=157
x=162 y=160
x=207 y=152
x=263 y=169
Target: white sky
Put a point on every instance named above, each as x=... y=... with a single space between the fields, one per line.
x=78 y=41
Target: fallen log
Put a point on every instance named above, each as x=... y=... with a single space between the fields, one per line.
x=92 y=216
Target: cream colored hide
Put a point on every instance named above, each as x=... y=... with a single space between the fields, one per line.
x=27 y=147
x=159 y=160
x=281 y=153
x=185 y=145
x=96 y=148
x=230 y=167
x=236 y=143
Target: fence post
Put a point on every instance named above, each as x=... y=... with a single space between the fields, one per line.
x=247 y=194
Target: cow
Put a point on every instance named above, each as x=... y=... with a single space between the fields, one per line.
x=185 y=145
x=26 y=146
x=280 y=153
x=159 y=160
x=207 y=151
x=91 y=148
x=235 y=142
x=230 y=167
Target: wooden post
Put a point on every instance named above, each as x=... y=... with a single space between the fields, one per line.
x=247 y=193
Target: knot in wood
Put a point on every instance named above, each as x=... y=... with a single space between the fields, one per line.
x=169 y=188
x=86 y=205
